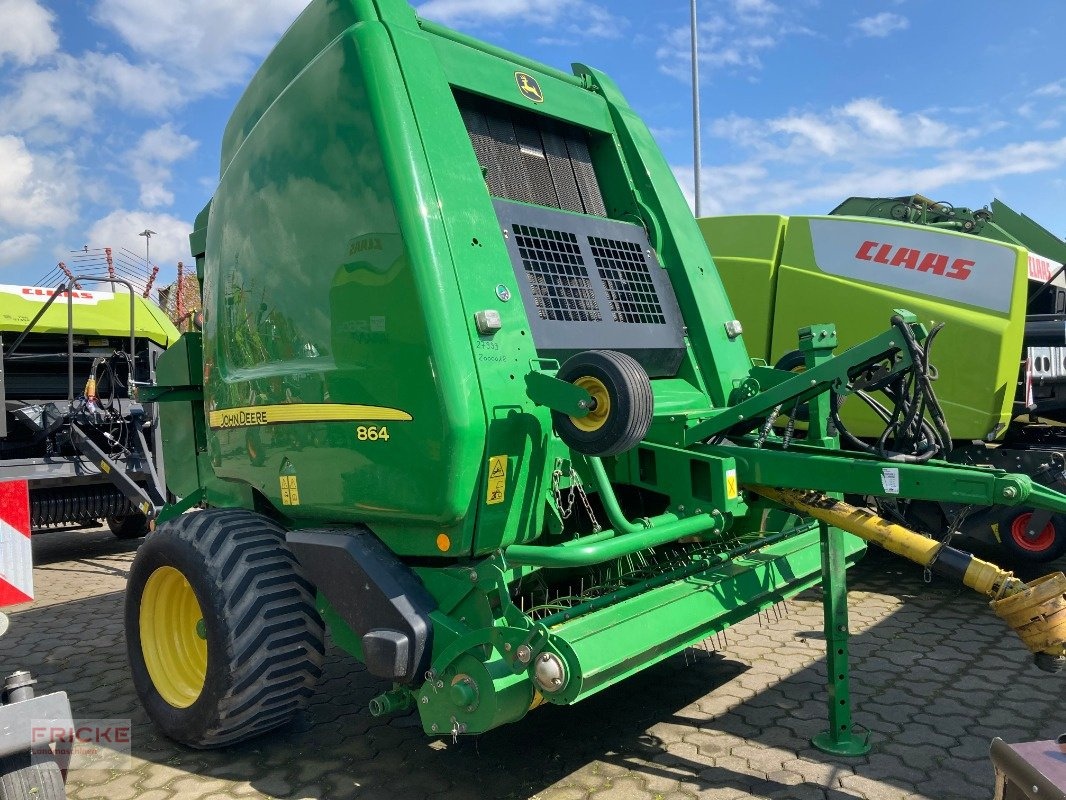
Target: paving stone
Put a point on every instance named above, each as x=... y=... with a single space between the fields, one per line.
x=934 y=677
x=561 y=793
x=873 y=790
x=629 y=788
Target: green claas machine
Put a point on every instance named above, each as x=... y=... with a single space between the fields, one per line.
x=72 y=426
x=470 y=394
x=992 y=277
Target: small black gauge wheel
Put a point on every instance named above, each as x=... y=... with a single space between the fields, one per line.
x=622 y=403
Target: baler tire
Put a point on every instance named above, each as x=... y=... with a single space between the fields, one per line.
x=263 y=638
x=625 y=402
x=1047 y=547
x=23 y=776
x=132 y=526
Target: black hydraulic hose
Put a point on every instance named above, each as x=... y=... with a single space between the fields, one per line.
x=914 y=439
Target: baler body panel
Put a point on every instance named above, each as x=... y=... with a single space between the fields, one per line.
x=842 y=269
x=352 y=240
x=323 y=314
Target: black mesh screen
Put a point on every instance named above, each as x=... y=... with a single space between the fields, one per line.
x=589 y=283
x=558 y=279
x=627 y=281
x=531 y=158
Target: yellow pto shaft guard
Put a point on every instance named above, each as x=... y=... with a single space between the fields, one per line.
x=1036 y=611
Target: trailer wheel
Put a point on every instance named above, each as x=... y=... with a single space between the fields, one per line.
x=1048 y=545
x=223 y=638
x=23 y=776
x=622 y=407
x=132 y=526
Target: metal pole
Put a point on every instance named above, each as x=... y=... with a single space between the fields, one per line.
x=697 y=165
x=147 y=234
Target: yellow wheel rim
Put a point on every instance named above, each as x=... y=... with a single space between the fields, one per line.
x=173 y=637
x=597 y=417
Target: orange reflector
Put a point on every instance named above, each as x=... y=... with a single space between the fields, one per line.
x=443 y=542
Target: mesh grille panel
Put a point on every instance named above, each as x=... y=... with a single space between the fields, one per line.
x=586 y=177
x=535 y=165
x=562 y=171
x=627 y=281
x=558 y=279
x=484 y=147
x=532 y=159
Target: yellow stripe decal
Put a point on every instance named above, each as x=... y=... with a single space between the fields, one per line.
x=251 y=416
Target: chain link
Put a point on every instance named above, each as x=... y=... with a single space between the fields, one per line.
x=568 y=509
x=576 y=490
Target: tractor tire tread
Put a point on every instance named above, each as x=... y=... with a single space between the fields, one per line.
x=272 y=627
x=24 y=776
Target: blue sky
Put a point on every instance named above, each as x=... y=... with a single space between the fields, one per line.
x=111 y=111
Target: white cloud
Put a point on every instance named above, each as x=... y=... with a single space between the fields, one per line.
x=881 y=25
x=207 y=44
x=733 y=38
x=36 y=190
x=855 y=130
x=810 y=163
x=151 y=162
x=756 y=12
x=26 y=34
x=18 y=248
x=807 y=161
x=54 y=102
x=119 y=230
x=1054 y=89
x=574 y=17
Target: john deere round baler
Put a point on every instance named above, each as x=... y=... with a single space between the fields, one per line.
x=469 y=393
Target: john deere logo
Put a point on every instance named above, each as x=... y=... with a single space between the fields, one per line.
x=529 y=87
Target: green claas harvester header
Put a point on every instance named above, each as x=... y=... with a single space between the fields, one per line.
x=469 y=392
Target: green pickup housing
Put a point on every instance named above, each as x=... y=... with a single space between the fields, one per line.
x=384 y=183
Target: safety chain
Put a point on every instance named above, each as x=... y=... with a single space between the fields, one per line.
x=577 y=490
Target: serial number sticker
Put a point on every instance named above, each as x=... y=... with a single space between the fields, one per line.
x=731 y=490
x=290 y=490
x=890 y=480
x=497 y=489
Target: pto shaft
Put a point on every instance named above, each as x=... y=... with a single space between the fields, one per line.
x=1036 y=611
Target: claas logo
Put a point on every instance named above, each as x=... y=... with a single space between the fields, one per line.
x=529 y=87
x=911 y=258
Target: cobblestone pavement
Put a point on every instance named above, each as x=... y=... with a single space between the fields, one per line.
x=935 y=677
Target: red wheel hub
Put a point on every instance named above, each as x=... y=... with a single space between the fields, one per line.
x=1019 y=531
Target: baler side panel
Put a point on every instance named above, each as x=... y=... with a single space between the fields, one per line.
x=338 y=302
x=747 y=251
x=978 y=349
x=510 y=500
x=714 y=360
x=309 y=35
